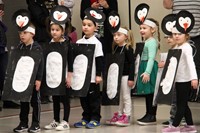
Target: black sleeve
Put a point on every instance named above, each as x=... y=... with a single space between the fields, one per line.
x=70 y=58
x=99 y=65
x=131 y=60
x=84 y=5
x=40 y=68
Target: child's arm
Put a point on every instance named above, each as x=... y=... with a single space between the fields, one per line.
x=99 y=66
x=37 y=85
x=194 y=83
x=68 y=80
x=161 y=64
x=131 y=60
x=70 y=65
x=152 y=50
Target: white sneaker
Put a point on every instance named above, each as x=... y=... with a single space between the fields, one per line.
x=62 y=126
x=52 y=125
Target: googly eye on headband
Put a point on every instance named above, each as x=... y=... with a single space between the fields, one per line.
x=113 y=21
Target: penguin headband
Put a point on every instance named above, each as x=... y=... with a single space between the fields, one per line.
x=141 y=12
x=21 y=19
x=60 y=15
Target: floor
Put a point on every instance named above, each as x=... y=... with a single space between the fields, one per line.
x=9 y=118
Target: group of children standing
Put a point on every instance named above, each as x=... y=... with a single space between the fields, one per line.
x=91 y=104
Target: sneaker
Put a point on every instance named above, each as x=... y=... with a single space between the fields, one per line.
x=93 y=124
x=188 y=129
x=34 y=128
x=167 y=123
x=63 y=126
x=124 y=120
x=52 y=125
x=114 y=119
x=171 y=129
x=142 y=117
x=20 y=128
x=183 y=122
x=80 y=124
x=147 y=120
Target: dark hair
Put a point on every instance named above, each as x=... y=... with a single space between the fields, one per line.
x=90 y=20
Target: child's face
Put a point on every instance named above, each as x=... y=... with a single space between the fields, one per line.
x=56 y=32
x=119 y=38
x=179 y=38
x=170 y=41
x=88 y=27
x=26 y=37
x=146 y=31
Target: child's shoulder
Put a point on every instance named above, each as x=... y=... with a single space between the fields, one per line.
x=36 y=45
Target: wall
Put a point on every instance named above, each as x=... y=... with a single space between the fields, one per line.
x=156 y=11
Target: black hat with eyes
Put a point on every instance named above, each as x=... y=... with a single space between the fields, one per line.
x=168 y=23
x=113 y=21
x=184 y=21
x=141 y=12
x=95 y=15
x=21 y=19
x=60 y=14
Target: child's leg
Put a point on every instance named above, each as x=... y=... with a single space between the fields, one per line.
x=65 y=99
x=149 y=105
x=94 y=98
x=126 y=96
x=182 y=93
x=56 y=108
x=35 y=103
x=24 y=111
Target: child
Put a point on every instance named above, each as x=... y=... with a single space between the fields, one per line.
x=170 y=41
x=124 y=43
x=57 y=30
x=148 y=69
x=91 y=104
x=28 y=44
x=184 y=79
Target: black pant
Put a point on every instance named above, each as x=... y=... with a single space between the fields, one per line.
x=183 y=110
x=25 y=108
x=91 y=104
x=65 y=100
x=3 y=65
x=150 y=109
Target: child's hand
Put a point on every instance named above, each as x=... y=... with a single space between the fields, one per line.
x=130 y=83
x=95 y=5
x=161 y=64
x=37 y=85
x=68 y=79
x=98 y=79
x=103 y=3
x=194 y=83
x=145 y=77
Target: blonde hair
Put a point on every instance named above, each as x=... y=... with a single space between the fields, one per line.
x=129 y=41
x=156 y=29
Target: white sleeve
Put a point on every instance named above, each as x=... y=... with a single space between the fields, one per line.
x=191 y=65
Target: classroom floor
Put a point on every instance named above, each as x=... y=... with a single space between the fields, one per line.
x=9 y=118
